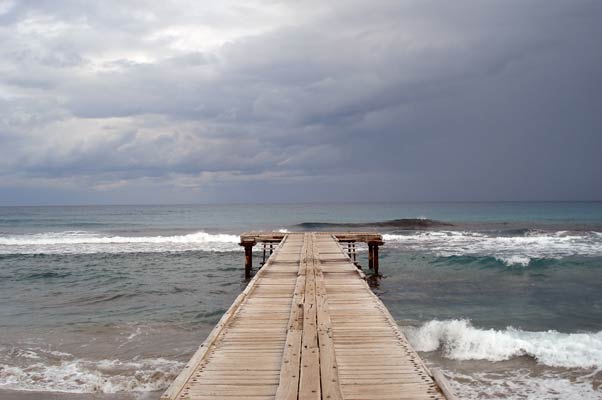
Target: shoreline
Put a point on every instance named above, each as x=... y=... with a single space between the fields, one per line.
x=6 y=394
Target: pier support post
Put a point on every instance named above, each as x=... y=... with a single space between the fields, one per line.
x=248 y=245
x=248 y=261
x=373 y=255
x=375 y=258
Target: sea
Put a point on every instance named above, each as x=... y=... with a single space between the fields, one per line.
x=109 y=302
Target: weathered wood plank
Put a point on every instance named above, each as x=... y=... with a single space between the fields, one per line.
x=443 y=384
x=309 y=385
x=329 y=375
x=288 y=388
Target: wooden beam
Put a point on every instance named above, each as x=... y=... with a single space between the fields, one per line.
x=443 y=384
x=309 y=386
x=329 y=373
x=288 y=387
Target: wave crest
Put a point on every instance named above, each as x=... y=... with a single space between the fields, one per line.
x=459 y=340
x=83 y=242
x=512 y=250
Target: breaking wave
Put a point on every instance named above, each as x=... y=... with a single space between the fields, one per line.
x=459 y=340
x=512 y=250
x=70 y=375
x=84 y=242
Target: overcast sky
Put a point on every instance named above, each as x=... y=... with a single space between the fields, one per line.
x=349 y=100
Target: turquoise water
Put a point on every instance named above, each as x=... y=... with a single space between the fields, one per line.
x=110 y=301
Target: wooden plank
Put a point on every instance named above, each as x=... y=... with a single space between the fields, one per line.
x=329 y=375
x=288 y=388
x=309 y=385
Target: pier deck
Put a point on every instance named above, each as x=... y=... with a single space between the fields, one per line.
x=307 y=327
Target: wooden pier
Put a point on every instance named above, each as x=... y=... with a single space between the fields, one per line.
x=349 y=239
x=307 y=327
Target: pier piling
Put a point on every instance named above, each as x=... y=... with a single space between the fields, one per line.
x=248 y=245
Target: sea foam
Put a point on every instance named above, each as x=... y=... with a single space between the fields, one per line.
x=512 y=250
x=83 y=242
x=459 y=340
x=86 y=376
x=520 y=384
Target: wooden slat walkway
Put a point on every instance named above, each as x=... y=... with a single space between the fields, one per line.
x=306 y=327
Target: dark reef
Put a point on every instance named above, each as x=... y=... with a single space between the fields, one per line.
x=404 y=223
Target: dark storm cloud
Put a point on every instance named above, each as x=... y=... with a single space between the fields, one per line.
x=349 y=100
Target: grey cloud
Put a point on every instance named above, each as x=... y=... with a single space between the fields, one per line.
x=420 y=100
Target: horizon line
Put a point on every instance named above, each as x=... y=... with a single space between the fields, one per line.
x=258 y=203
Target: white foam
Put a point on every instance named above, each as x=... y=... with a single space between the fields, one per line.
x=85 y=376
x=459 y=340
x=521 y=384
x=78 y=242
x=511 y=250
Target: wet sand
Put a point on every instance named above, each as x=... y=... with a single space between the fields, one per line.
x=27 y=395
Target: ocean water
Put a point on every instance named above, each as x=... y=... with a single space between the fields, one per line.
x=109 y=302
